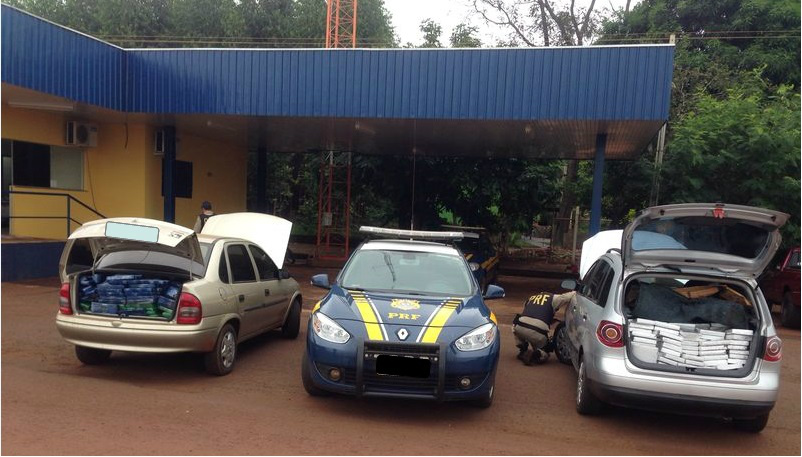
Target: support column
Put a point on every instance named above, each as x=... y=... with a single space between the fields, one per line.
x=168 y=174
x=598 y=179
x=261 y=180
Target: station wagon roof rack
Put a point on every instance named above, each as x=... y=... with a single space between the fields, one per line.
x=416 y=234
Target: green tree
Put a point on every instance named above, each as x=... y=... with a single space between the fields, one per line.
x=464 y=36
x=742 y=149
x=431 y=34
x=712 y=72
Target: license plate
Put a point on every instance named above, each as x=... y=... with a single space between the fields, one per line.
x=403 y=366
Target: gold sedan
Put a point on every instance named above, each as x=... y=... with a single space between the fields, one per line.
x=141 y=285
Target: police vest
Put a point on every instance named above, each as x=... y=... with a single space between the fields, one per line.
x=540 y=307
x=203 y=218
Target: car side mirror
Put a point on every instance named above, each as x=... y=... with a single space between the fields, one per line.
x=283 y=274
x=494 y=292
x=321 y=280
x=474 y=266
x=568 y=284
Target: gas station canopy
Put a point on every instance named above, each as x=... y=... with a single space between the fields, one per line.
x=520 y=102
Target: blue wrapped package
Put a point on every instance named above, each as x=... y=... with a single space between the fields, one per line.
x=104 y=307
x=122 y=280
x=147 y=283
x=110 y=290
x=111 y=294
x=88 y=290
x=99 y=278
x=87 y=281
x=172 y=290
x=140 y=291
x=166 y=302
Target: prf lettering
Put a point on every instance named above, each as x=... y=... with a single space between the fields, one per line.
x=404 y=316
x=539 y=299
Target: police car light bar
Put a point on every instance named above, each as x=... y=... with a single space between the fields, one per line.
x=416 y=234
x=462 y=227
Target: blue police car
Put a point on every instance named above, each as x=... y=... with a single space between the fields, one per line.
x=479 y=252
x=404 y=318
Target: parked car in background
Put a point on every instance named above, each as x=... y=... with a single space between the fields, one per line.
x=404 y=318
x=669 y=317
x=141 y=285
x=479 y=252
x=781 y=284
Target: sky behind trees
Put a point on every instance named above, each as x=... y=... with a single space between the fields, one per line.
x=407 y=16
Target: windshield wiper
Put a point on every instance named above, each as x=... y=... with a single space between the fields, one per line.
x=389 y=265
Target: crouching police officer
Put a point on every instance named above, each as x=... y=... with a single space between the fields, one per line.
x=531 y=327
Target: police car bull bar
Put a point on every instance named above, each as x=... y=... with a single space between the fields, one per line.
x=369 y=351
x=416 y=234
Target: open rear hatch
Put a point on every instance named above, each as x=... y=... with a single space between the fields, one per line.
x=738 y=241
x=689 y=302
x=130 y=267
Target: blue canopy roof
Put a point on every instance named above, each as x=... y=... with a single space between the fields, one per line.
x=547 y=101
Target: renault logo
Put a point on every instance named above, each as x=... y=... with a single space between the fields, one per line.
x=402 y=334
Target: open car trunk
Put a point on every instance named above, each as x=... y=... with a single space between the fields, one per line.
x=691 y=325
x=134 y=295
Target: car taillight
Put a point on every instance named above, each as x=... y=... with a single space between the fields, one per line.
x=774 y=349
x=64 y=305
x=189 y=309
x=610 y=334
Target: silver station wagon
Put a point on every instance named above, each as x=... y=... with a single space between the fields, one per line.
x=669 y=315
x=134 y=284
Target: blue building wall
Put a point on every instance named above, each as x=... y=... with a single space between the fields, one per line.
x=30 y=260
x=42 y=56
x=606 y=83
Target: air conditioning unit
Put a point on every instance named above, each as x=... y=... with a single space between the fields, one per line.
x=81 y=134
x=158 y=140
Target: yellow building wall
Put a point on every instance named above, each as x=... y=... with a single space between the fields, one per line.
x=122 y=176
x=219 y=175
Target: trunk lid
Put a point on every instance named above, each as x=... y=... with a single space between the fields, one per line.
x=131 y=233
x=736 y=240
x=270 y=233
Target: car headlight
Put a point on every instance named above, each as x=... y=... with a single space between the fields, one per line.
x=326 y=328
x=478 y=338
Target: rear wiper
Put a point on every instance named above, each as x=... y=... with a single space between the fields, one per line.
x=671 y=267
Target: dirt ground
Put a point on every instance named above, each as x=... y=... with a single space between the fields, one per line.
x=165 y=404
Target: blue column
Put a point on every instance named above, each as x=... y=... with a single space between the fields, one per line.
x=598 y=179
x=168 y=174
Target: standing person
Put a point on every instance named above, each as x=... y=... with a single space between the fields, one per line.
x=531 y=327
x=205 y=214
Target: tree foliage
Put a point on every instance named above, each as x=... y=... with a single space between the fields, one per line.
x=542 y=22
x=743 y=148
x=733 y=132
x=431 y=34
x=215 y=23
x=464 y=36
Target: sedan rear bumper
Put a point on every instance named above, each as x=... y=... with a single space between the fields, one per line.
x=140 y=338
x=680 y=404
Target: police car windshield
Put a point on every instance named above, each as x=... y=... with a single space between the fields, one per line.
x=411 y=272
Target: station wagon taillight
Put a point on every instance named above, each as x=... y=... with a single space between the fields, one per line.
x=189 y=309
x=774 y=349
x=610 y=334
x=64 y=305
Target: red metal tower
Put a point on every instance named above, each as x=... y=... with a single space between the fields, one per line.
x=341 y=24
x=334 y=185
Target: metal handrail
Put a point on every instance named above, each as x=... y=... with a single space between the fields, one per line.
x=69 y=198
